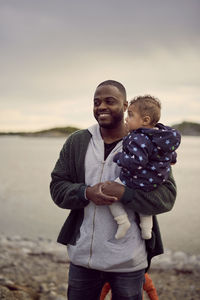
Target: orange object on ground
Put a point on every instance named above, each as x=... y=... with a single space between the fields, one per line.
x=148 y=287
x=105 y=291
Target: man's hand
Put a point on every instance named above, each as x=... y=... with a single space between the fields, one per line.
x=113 y=188
x=95 y=194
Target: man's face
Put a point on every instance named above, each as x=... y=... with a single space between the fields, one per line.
x=109 y=106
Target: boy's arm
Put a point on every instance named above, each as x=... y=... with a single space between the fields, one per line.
x=136 y=151
x=158 y=201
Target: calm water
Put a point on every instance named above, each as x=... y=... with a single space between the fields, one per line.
x=26 y=208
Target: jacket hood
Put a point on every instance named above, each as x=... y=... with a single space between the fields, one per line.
x=95 y=131
x=166 y=138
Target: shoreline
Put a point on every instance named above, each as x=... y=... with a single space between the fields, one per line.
x=38 y=270
x=178 y=260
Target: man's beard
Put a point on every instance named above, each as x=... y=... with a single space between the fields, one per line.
x=116 y=119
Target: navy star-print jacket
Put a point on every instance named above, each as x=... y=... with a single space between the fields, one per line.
x=147 y=155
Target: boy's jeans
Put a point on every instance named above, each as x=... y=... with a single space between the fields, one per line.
x=87 y=284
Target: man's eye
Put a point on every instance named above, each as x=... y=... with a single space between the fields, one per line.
x=110 y=101
x=96 y=103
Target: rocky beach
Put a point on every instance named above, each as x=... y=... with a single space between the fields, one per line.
x=38 y=270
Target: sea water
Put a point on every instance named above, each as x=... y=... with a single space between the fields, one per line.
x=27 y=210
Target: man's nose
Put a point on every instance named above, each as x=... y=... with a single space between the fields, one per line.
x=102 y=105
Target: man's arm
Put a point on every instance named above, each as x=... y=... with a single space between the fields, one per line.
x=67 y=186
x=158 y=201
x=65 y=191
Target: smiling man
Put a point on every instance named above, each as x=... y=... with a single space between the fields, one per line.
x=85 y=163
x=109 y=106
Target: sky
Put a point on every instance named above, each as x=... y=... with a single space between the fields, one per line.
x=55 y=52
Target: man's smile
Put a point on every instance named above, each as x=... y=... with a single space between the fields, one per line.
x=103 y=115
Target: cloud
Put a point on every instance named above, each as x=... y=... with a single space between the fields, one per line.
x=39 y=116
x=54 y=53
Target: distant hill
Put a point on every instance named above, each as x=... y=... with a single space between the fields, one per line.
x=52 y=132
x=188 y=128
x=185 y=128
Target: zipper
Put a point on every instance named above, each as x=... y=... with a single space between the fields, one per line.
x=93 y=222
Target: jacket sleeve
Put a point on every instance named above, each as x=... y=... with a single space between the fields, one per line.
x=65 y=187
x=135 y=153
x=158 y=201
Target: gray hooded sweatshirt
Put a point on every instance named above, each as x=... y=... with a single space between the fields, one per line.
x=96 y=247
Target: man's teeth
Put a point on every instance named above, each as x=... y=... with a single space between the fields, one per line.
x=104 y=114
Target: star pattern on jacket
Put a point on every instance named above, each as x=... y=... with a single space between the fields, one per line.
x=146 y=156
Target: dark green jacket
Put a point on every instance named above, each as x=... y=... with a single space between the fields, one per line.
x=68 y=185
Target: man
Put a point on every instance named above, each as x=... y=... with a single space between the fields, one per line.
x=85 y=163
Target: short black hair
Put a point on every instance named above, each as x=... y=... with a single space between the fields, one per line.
x=117 y=84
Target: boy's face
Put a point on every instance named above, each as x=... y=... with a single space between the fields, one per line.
x=133 y=119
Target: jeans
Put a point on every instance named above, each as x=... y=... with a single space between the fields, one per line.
x=86 y=284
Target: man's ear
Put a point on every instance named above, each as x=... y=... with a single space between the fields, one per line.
x=146 y=120
x=125 y=105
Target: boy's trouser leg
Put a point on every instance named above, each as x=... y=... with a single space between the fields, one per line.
x=121 y=217
x=117 y=209
x=146 y=224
